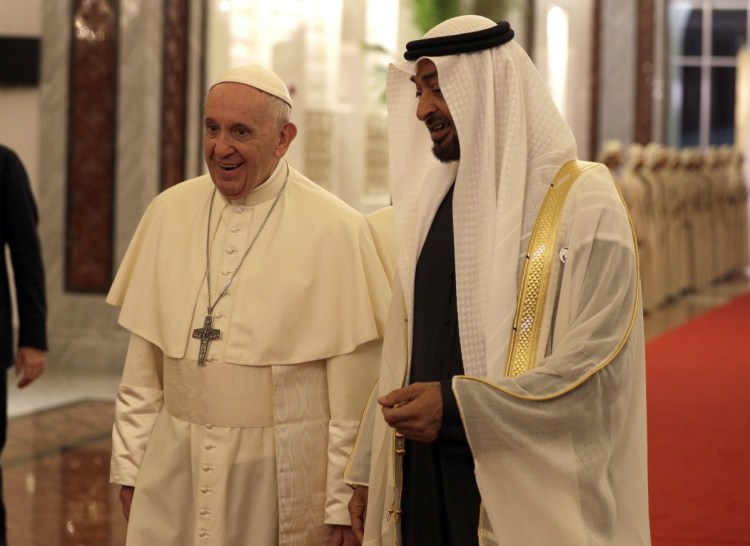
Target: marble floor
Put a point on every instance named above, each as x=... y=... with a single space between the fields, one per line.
x=56 y=460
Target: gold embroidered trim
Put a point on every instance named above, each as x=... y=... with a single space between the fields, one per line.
x=602 y=365
x=607 y=361
x=533 y=294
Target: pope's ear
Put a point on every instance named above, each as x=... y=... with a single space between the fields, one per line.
x=286 y=136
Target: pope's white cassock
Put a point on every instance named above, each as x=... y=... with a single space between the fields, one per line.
x=250 y=448
x=553 y=399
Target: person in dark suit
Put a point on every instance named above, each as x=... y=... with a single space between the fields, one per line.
x=18 y=233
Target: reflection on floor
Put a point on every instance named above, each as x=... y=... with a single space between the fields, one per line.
x=56 y=461
x=56 y=473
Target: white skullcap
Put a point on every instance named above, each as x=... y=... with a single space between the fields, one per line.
x=258 y=77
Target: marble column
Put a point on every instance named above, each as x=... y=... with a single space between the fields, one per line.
x=83 y=329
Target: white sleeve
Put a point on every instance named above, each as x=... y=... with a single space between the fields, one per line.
x=140 y=398
x=350 y=380
x=573 y=428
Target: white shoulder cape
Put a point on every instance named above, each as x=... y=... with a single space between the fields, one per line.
x=313 y=283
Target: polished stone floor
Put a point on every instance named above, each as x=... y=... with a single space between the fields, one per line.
x=55 y=468
x=56 y=461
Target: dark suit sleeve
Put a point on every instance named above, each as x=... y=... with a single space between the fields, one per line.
x=19 y=231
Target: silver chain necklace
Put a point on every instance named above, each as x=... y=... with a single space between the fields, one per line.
x=207 y=334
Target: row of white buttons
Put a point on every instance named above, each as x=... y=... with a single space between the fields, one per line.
x=203 y=533
x=207 y=468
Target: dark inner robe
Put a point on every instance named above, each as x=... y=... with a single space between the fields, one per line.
x=440 y=499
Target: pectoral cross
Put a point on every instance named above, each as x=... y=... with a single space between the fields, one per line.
x=206 y=335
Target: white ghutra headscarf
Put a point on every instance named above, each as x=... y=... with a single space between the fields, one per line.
x=513 y=141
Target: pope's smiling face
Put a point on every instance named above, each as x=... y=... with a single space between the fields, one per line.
x=433 y=110
x=242 y=142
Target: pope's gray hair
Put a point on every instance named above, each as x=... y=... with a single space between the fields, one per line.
x=278 y=109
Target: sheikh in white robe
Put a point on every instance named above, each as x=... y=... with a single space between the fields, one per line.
x=560 y=451
x=559 y=443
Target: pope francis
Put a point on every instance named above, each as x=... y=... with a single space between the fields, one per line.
x=255 y=302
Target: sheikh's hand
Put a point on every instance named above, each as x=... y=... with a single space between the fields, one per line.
x=415 y=411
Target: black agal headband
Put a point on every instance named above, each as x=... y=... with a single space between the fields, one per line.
x=459 y=43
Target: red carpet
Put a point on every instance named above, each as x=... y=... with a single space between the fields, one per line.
x=699 y=429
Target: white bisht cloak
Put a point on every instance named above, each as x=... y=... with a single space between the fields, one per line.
x=560 y=450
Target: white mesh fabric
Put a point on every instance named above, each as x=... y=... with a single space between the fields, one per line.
x=513 y=141
x=560 y=451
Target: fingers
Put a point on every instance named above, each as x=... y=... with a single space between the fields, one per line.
x=350 y=539
x=346 y=538
x=337 y=538
x=30 y=364
x=396 y=404
x=396 y=416
x=25 y=382
x=402 y=405
x=30 y=374
x=126 y=499
x=358 y=512
x=396 y=398
x=417 y=411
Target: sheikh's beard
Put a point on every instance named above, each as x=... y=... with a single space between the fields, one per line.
x=447 y=152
